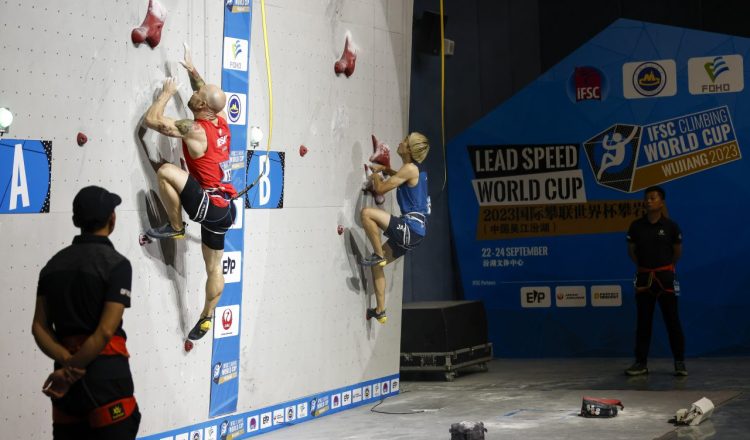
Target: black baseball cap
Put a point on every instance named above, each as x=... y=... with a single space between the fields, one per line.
x=93 y=205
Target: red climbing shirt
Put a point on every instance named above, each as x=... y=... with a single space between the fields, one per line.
x=212 y=169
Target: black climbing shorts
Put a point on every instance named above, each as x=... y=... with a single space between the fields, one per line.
x=401 y=237
x=214 y=220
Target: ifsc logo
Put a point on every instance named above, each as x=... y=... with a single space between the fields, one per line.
x=236 y=109
x=649 y=79
x=587 y=83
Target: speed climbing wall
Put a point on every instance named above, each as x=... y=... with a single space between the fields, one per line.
x=305 y=348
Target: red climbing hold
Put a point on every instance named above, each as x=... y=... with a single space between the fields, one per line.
x=340 y=229
x=381 y=153
x=348 y=59
x=81 y=139
x=188 y=345
x=302 y=150
x=150 y=30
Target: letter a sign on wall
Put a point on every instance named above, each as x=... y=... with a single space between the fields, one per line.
x=25 y=176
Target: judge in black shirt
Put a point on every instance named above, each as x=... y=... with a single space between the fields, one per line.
x=655 y=245
x=82 y=294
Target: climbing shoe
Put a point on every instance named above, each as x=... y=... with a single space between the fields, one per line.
x=371 y=313
x=374 y=260
x=200 y=329
x=166 y=231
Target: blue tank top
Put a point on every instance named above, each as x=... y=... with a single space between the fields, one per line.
x=414 y=203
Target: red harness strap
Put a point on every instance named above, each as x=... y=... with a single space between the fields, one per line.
x=112 y=412
x=115 y=346
x=652 y=276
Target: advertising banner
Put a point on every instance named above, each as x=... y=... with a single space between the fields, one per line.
x=543 y=189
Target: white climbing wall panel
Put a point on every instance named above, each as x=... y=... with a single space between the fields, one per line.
x=70 y=66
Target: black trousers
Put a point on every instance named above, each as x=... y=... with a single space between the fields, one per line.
x=646 y=303
x=124 y=430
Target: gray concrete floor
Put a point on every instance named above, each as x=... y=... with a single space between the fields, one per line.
x=540 y=399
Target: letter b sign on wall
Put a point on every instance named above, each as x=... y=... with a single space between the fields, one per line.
x=267 y=171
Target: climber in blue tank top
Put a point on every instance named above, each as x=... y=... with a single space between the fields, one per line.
x=404 y=232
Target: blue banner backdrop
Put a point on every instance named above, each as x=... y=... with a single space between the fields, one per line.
x=225 y=358
x=543 y=189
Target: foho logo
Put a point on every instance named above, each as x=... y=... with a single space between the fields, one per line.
x=718 y=74
x=235 y=54
x=649 y=79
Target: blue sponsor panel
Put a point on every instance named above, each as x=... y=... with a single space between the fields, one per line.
x=225 y=357
x=25 y=176
x=261 y=421
x=266 y=170
x=542 y=195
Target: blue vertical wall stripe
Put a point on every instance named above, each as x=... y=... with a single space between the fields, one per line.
x=225 y=360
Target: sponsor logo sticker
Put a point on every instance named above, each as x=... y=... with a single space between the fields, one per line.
x=253 y=423
x=231 y=267
x=227 y=321
x=266 y=420
x=534 y=297
x=235 y=109
x=302 y=410
x=606 y=296
x=649 y=79
x=716 y=74
x=235 y=54
x=570 y=296
x=290 y=413
x=357 y=395
x=237 y=6
x=587 y=83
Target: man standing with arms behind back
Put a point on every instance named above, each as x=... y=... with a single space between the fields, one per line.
x=655 y=245
x=82 y=294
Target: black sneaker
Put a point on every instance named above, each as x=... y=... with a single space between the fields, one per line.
x=680 y=369
x=637 y=369
x=371 y=313
x=373 y=260
x=201 y=328
x=166 y=231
